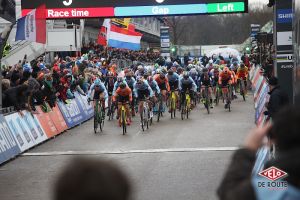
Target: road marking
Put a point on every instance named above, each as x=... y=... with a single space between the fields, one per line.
x=172 y=150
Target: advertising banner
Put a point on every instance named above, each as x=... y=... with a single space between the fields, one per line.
x=35 y=127
x=8 y=145
x=58 y=120
x=20 y=131
x=258 y=87
x=72 y=113
x=261 y=101
x=82 y=101
x=46 y=122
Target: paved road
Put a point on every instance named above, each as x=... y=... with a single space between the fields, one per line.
x=174 y=160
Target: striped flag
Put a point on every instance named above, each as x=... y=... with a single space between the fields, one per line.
x=32 y=27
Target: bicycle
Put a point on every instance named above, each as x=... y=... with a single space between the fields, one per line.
x=160 y=107
x=186 y=107
x=206 y=99
x=111 y=111
x=123 y=118
x=145 y=115
x=242 y=88
x=228 y=97
x=218 y=95
x=99 y=115
x=172 y=104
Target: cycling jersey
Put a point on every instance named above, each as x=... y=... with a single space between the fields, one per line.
x=154 y=87
x=130 y=82
x=109 y=84
x=187 y=84
x=163 y=84
x=142 y=90
x=123 y=95
x=225 y=79
x=242 y=73
x=205 y=80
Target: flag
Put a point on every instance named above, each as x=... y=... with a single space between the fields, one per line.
x=32 y=27
x=102 y=36
x=123 y=38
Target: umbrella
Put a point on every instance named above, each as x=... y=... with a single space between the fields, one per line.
x=225 y=52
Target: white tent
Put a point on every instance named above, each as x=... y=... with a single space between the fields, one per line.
x=225 y=52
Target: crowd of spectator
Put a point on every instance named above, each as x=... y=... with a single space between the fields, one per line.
x=27 y=84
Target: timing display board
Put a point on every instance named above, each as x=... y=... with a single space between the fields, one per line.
x=133 y=8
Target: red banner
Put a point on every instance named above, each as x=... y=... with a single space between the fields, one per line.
x=58 y=119
x=102 y=36
x=46 y=122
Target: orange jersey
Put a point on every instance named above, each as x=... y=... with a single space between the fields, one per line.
x=242 y=73
x=225 y=77
x=162 y=81
x=123 y=93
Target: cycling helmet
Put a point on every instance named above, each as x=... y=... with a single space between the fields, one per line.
x=140 y=68
x=185 y=75
x=170 y=72
x=162 y=75
x=179 y=70
x=158 y=71
x=97 y=82
x=122 y=85
x=235 y=64
x=205 y=70
x=120 y=79
x=110 y=74
x=210 y=61
x=242 y=65
x=150 y=79
x=139 y=79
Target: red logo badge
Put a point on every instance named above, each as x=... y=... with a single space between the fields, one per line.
x=273 y=173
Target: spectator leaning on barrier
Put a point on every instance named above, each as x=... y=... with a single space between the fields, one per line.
x=92 y=179
x=278 y=98
x=239 y=183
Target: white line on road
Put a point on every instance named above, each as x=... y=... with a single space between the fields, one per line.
x=172 y=150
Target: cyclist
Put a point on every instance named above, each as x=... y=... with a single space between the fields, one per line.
x=142 y=90
x=98 y=92
x=109 y=84
x=173 y=79
x=195 y=76
x=140 y=71
x=206 y=81
x=180 y=71
x=163 y=84
x=242 y=74
x=123 y=96
x=225 y=79
x=215 y=80
x=210 y=64
x=234 y=67
x=234 y=83
x=153 y=84
x=186 y=83
x=117 y=84
x=130 y=82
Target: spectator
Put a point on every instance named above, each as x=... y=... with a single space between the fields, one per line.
x=278 y=98
x=91 y=179
x=16 y=97
x=238 y=182
x=5 y=85
x=204 y=60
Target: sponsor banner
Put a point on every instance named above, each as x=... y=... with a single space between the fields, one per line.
x=20 y=131
x=8 y=145
x=164 y=40
x=258 y=87
x=58 y=120
x=255 y=80
x=46 y=122
x=72 y=113
x=261 y=159
x=284 y=16
x=121 y=22
x=285 y=58
x=261 y=101
x=35 y=127
x=285 y=38
x=82 y=101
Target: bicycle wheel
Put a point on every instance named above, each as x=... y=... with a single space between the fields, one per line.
x=96 y=116
x=229 y=107
x=183 y=110
x=174 y=108
x=242 y=88
x=102 y=119
x=142 y=121
x=124 y=122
